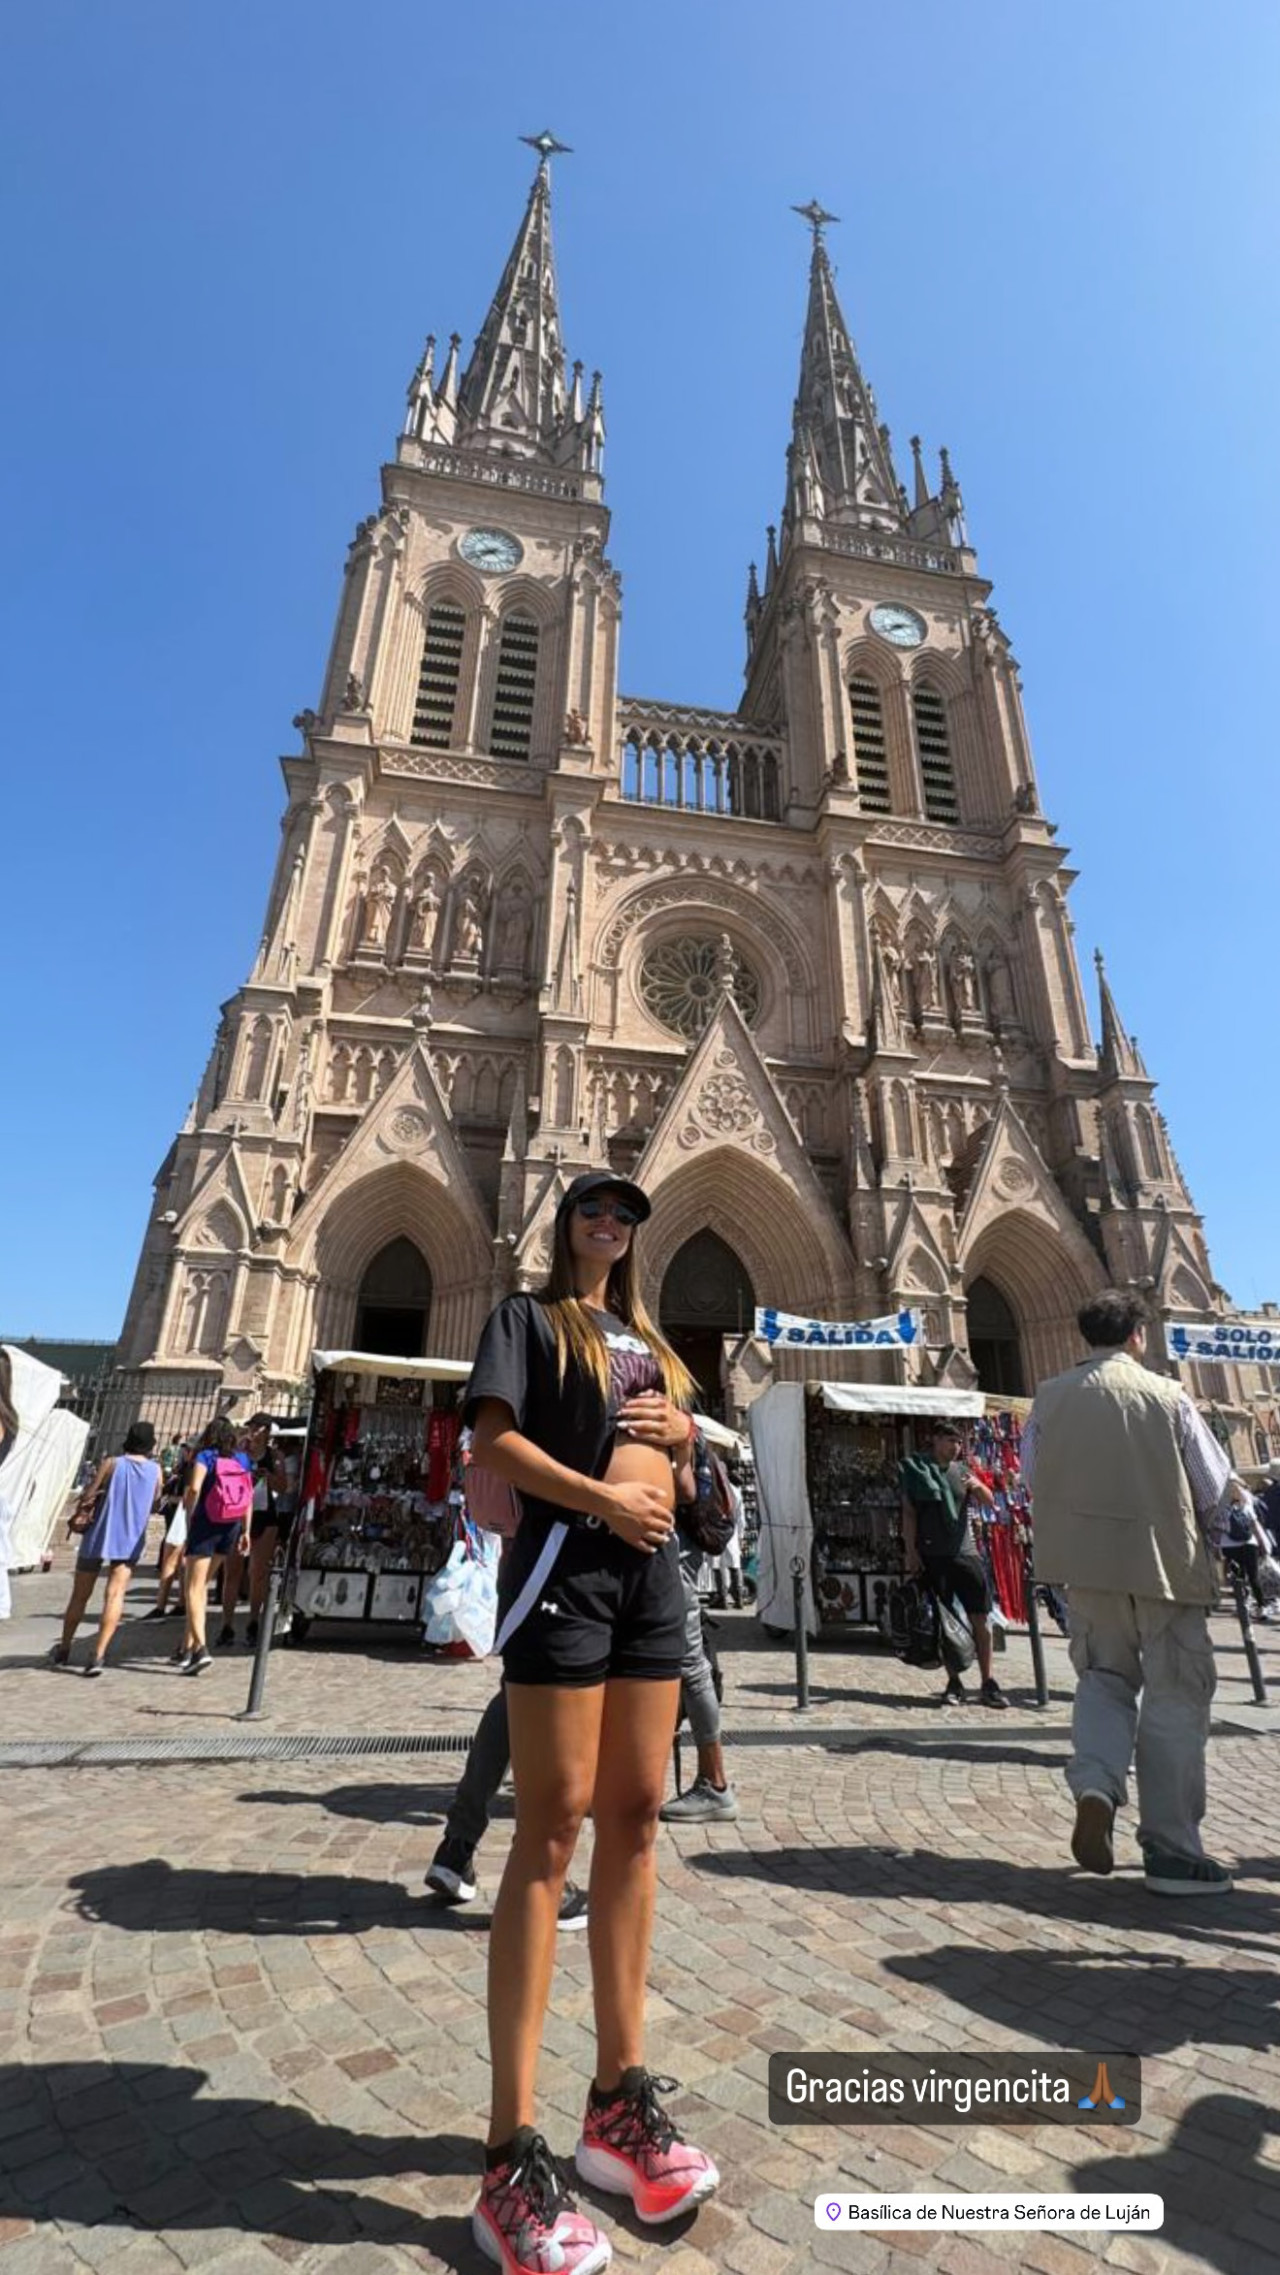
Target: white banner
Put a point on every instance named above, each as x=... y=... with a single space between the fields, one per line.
x=1249 y=1342
x=897 y=1331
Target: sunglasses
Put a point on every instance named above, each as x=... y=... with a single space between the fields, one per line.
x=618 y=1210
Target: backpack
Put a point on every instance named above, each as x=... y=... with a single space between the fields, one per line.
x=228 y=1496
x=709 y=1521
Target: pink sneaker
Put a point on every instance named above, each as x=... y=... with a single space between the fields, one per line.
x=528 y=2225
x=630 y=2147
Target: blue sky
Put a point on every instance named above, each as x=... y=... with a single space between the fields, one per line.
x=229 y=228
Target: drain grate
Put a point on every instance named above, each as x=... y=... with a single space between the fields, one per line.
x=243 y=1746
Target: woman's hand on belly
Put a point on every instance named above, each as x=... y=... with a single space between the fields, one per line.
x=640 y=1503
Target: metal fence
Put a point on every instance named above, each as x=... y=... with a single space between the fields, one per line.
x=110 y=1400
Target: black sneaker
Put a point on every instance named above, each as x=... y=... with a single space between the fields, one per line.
x=59 y=1655
x=251 y=1635
x=451 y=1874
x=573 y=1907
x=226 y=1637
x=955 y=1693
x=197 y=1662
x=992 y=1695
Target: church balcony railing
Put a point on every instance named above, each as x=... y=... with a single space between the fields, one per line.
x=460 y=466
x=898 y=552
x=702 y=762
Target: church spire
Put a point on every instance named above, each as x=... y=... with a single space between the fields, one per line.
x=516 y=396
x=839 y=468
x=1120 y=1055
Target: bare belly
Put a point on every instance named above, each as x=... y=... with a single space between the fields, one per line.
x=632 y=1464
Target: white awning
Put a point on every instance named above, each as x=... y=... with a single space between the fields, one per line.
x=369 y=1362
x=719 y=1434
x=902 y=1398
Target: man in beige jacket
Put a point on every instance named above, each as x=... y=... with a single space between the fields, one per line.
x=1127 y=1487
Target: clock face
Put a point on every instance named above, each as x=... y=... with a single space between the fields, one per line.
x=901 y=625
x=495 y=551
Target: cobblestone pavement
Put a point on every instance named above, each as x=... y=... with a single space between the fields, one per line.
x=232 y=2032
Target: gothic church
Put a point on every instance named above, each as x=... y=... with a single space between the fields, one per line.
x=805 y=969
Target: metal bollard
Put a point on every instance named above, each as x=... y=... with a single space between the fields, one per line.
x=262 y=1649
x=1256 y=1676
x=1034 y=1636
x=802 y=1640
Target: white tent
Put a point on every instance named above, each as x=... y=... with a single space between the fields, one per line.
x=776 y=1423
x=38 y=1474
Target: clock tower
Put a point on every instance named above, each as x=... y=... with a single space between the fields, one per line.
x=805 y=968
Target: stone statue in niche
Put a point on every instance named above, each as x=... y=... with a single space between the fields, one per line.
x=575 y=730
x=964 y=980
x=468 y=934
x=511 y=934
x=924 y=974
x=891 y=965
x=1025 y=800
x=379 y=902
x=426 y=908
x=354 y=697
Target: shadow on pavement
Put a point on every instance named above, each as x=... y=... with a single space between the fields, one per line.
x=888 y=1875
x=1149 y=2006
x=403 y=1804
x=129 y=2145
x=153 y=1897
x=1211 y=2169
x=980 y=1747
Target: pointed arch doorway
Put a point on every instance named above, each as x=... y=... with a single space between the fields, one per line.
x=995 y=1345
x=706 y=1295
x=393 y=1308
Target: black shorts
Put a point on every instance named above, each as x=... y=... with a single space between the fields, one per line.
x=960 y=1579
x=604 y=1612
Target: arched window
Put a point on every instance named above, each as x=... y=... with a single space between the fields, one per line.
x=870 y=750
x=441 y=670
x=514 y=688
x=933 y=741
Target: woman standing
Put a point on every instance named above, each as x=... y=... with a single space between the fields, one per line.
x=112 y=1515
x=578 y=1402
x=219 y=1502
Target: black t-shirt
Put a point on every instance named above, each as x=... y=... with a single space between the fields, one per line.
x=516 y=1363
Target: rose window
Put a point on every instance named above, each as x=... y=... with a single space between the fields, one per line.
x=681 y=982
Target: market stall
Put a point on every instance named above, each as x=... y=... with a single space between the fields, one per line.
x=826 y=1470
x=36 y=1480
x=381 y=1489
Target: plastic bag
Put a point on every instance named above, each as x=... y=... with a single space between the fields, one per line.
x=955 y=1637
x=1269 y=1579
x=461 y=1604
x=910 y=1624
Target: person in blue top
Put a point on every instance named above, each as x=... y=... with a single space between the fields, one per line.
x=220 y=1480
x=111 y=1518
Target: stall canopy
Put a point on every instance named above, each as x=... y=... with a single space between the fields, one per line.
x=369 y=1362
x=719 y=1434
x=39 y=1473
x=776 y=1423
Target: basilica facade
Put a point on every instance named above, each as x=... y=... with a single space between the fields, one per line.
x=806 y=969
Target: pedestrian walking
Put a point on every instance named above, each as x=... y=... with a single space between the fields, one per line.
x=264 y=1532
x=1245 y=1543
x=1128 y=1487
x=169 y=1567
x=939 y=1548
x=711 y=1799
x=592 y=1640
x=218 y=1500
x=726 y=1569
x=112 y=1518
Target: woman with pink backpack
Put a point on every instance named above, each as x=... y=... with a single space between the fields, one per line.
x=219 y=1505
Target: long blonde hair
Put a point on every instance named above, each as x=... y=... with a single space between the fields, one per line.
x=577 y=1335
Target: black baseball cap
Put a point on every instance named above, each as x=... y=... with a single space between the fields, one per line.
x=604 y=1181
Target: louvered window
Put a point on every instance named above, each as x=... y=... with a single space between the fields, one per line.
x=934 y=745
x=514 y=688
x=437 y=701
x=870 y=751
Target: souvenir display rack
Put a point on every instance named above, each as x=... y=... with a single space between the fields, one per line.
x=852 y=1468
x=381 y=1489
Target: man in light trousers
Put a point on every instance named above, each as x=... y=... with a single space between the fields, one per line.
x=1128 y=1490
